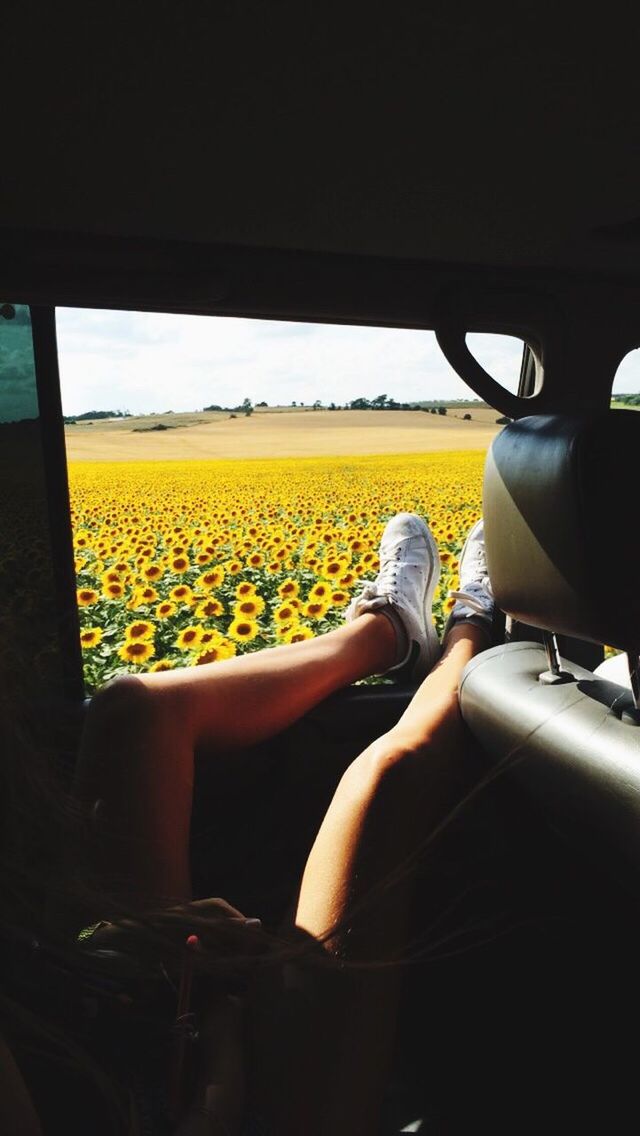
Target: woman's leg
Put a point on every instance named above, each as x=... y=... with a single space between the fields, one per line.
x=336 y=1041
x=137 y=752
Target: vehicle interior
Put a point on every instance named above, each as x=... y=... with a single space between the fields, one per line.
x=412 y=168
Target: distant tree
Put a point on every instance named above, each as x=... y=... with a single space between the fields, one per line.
x=247 y=407
x=332 y=406
x=317 y=404
x=379 y=402
x=466 y=417
x=262 y=403
x=360 y=404
x=442 y=410
x=294 y=403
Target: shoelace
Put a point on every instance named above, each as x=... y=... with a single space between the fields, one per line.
x=478 y=600
x=386 y=583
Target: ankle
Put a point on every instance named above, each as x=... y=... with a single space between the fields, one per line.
x=383 y=636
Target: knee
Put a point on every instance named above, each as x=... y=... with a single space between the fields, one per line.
x=118 y=704
x=393 y=763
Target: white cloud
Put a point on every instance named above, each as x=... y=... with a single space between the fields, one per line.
x=150 y=362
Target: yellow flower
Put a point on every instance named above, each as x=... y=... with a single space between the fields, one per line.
x=179 y=564
x=209 y=609
x=212 y=579
x=153 y=572
x=166 y=609
x=162 y=665
x=298 y=634
x=255 y=560
x=86 y=596
x=137 y=652
x=113 y=590
x=140 y=631
x=215 y=653
x=189 y=638
x=233 y=567
x=245 y=589
x=339 y=598
x=90 y=637
x=182 y=593
x=243 y=630
x=288 y=589
x=316 y=609
x=141 y=597
x=249 y=608
x=320 y=591
x=285 y=614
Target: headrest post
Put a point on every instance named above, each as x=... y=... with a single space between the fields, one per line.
x=634 y=674
x=555 y=674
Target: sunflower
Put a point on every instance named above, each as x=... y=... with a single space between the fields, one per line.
x=179 y=564
x=90 y=637
x=320 y=591
x=209 y=609
x=189 y=638
x=339 y=598
x=113 y=590
x=243 y=630
x=298 y=634
x=215 y=653
x=233 y=567
x=140 y=631
x=182 y=593
x=249 y=608
x=211 y=579
x=285 y=614
x=316 y=609
x=111 y=577
x=86 y=596
x=245 y=589
x=153 y=572
x=255 y=560
x=162 y=665
x=288 y=589
x=137 y=652
x=166 y=609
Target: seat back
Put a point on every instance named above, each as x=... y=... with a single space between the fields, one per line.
x=558 y=497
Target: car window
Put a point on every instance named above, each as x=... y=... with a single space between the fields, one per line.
x=230 y=478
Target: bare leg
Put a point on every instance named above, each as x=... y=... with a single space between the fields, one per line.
x=137 y=752
x=355 y=897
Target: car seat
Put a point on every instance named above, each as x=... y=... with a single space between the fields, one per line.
x=559 y=508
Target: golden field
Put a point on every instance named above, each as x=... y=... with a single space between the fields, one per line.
x=184 y=563
x=278 y=433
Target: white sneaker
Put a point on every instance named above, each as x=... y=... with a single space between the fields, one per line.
x=409 y=572
x=475 y=596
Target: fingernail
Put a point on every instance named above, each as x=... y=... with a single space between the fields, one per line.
x=253 y=922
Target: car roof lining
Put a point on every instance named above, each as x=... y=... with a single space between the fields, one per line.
x=422 y=132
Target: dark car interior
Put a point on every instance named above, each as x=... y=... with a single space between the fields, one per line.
x=445 y=170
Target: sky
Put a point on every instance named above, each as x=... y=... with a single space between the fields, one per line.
x=145 y=362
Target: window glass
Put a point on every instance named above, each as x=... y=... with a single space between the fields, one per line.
x=626 y=385
x=500 y=355
x=28 y=608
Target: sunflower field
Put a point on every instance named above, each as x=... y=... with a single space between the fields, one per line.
x=187 y=563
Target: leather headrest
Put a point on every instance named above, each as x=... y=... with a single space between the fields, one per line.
x=561 y=518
